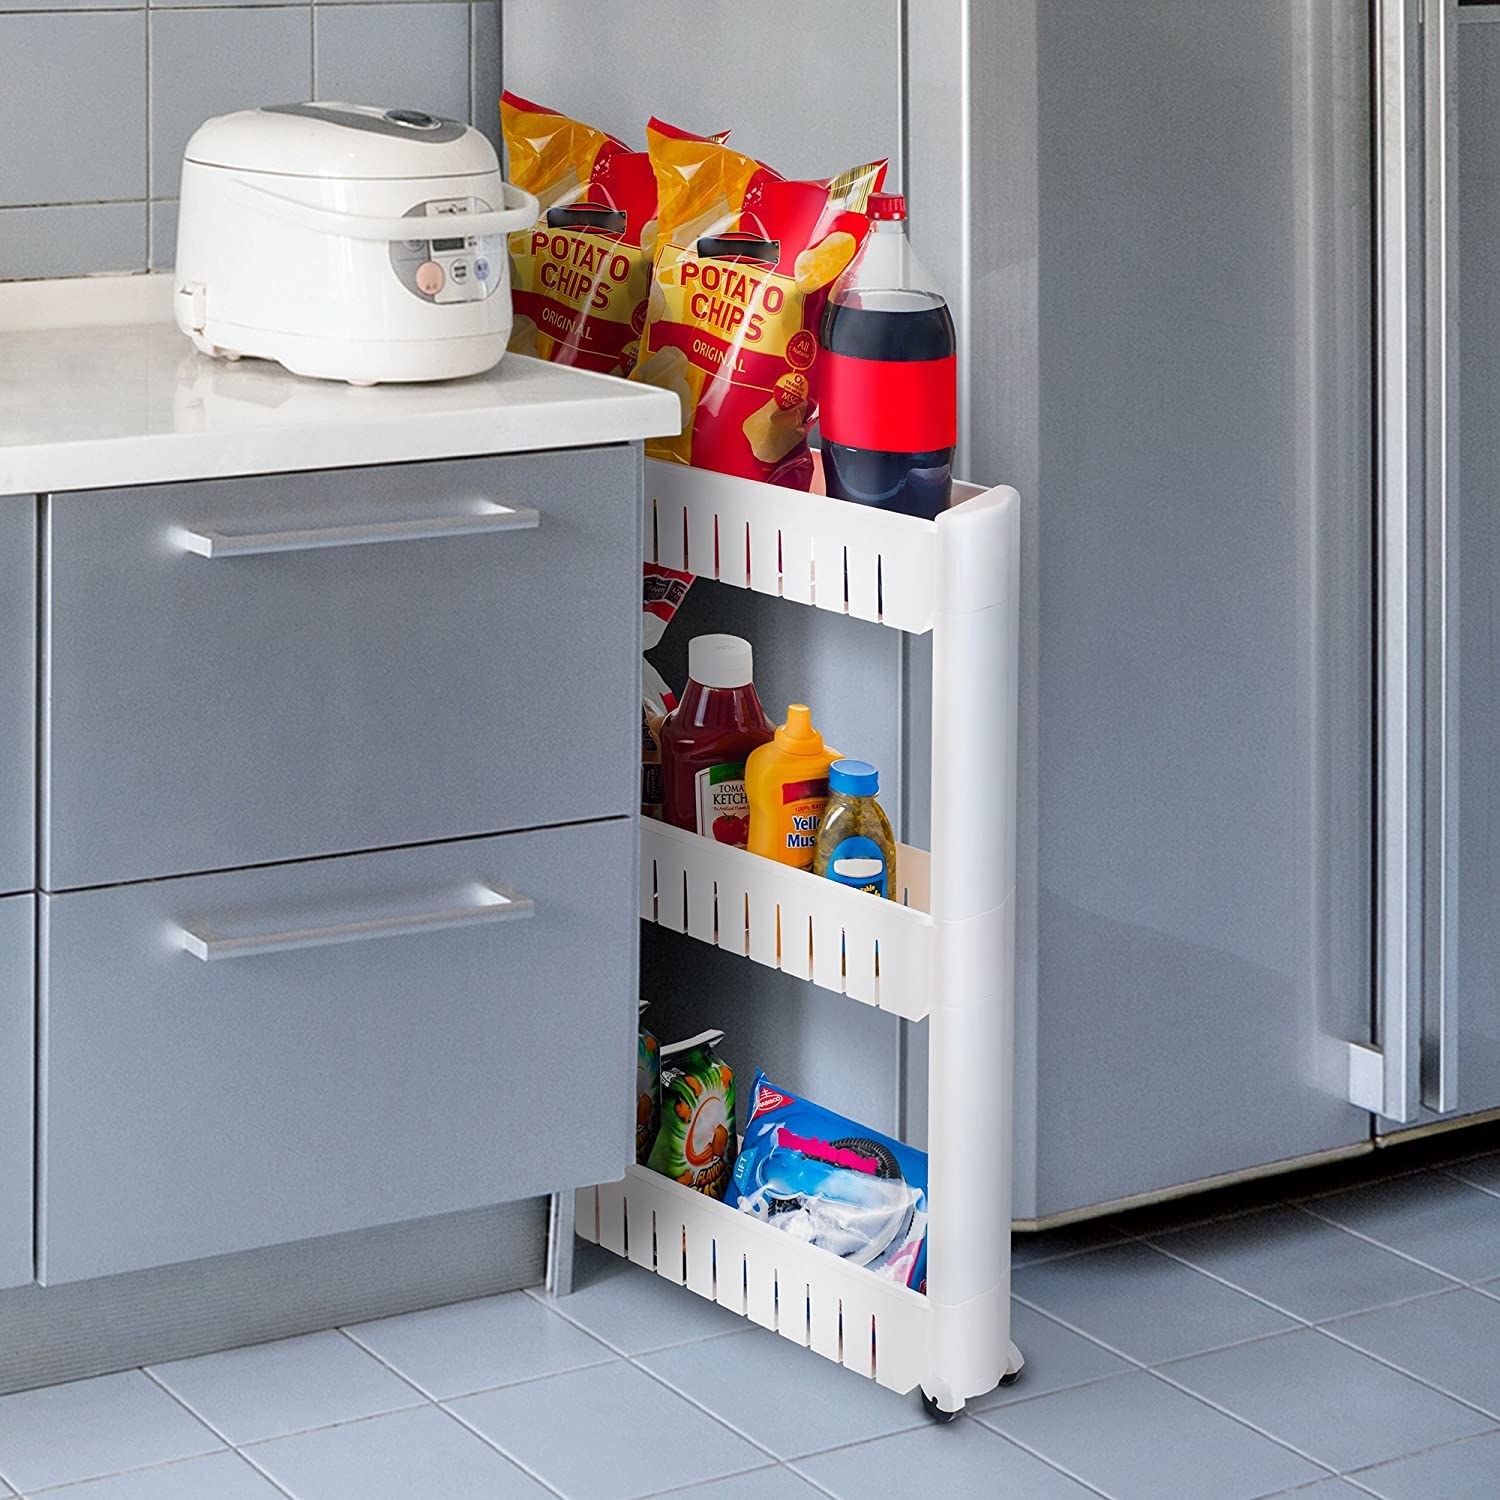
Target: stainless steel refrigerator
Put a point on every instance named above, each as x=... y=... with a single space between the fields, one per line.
x=1248 y=356
x=1222 y=274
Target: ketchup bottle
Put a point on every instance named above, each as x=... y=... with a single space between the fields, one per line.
x=707 y=738
x=888 y=377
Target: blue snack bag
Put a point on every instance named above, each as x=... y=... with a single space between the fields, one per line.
x=833 y=1183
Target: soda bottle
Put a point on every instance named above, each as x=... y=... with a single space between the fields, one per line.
x=888 y=376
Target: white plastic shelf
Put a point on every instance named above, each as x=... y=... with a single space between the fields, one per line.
x=874 y=1327
x=835 y=555
x=878 y=952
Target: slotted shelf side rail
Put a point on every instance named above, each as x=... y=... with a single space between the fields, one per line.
x=945 y=950
x=832 y=554
x=877 y=952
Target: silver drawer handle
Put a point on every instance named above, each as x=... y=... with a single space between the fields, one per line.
x=213 y=544
x=492 y=903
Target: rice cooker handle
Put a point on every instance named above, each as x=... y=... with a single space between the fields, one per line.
x=521 y=212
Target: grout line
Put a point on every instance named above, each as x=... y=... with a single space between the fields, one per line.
x=1140 y=1364
x=1041 y=1457
x=1380 y=1244
x=1069 y=1254
x=1073 y=1385
x=149 y=37
x=694 y=1484
x=1311 y=1322
x=222 y=1436
x=721 y=1420
x=1330 y=1470
x=1231 y=1286
x=1477 y=1186
x=1351 y=1474
x=1390 y=1364
x=1359 y=1312
x=507 y=1456
x=264 y=1473
x=555 y=1306
x=243 y=1448
x=400 y=1375
x=611 y=1357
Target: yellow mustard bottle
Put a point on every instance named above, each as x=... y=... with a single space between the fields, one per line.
x=786 y=785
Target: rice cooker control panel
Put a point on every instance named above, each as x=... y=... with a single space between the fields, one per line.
x=443 y=268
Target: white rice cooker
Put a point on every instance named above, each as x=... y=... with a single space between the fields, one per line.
x=347 y=241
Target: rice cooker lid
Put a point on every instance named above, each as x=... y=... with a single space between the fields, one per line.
x=350 y=141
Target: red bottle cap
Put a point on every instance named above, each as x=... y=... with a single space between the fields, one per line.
x=887 y=206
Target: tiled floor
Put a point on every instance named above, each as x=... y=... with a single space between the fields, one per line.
x=1329 y=1336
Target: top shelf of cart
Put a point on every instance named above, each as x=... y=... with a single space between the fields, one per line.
x=851 y=559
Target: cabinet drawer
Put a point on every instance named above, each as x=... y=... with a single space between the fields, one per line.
x=17 y=685
x=239 y=1060
x=333 y=692
x=15 y=1090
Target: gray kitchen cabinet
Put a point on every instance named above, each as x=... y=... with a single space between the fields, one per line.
x=15 y=1090
x=355 y=666
x=255 y=1082
x=17 y=689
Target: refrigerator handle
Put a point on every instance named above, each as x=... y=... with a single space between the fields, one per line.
x=1439 y=1060
x=1413 y=1061
x=1385 y=1078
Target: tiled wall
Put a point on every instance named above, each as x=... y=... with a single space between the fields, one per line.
x=98 y=98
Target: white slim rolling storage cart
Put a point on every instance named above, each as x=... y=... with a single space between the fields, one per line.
x=944 y=951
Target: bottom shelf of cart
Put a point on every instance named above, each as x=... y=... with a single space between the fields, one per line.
x=876 y=1328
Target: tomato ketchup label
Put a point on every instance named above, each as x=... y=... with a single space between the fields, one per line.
x=723 y=807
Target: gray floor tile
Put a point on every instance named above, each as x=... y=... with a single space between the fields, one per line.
x=1451 y=1341
x=395 y=1457
x=270 y=1390
x=1481 y=1171
x=219 y=1476
x=1029 y=1249
x=781 y=1396
x=1326 y=1399
x=607 y=1433
x=89 y=1428
x=1136 y=1438
x=471 y=1346
x=1462 y=1471
x=1308 y=1267
x=1143 y=1303
x=779 y=1483
x=963 y=1459
x=634 y=1311
x=1056 y=1358
x=1443 y=1223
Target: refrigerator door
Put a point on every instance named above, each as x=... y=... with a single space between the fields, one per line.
x=1196 y=322
x=1461 y=979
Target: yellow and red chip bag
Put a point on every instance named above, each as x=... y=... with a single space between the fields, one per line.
x=580 y=274
x=744 y=263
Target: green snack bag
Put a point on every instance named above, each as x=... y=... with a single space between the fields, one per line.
x=648 y=1092
x=696 y=1142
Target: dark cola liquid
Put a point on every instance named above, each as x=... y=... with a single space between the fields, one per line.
x=890 y=325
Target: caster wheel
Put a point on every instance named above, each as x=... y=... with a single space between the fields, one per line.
x=1010 y=1379
x=933 y=1410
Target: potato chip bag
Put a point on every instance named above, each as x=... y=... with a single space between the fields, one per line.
x=744 y=263
x=580 y=276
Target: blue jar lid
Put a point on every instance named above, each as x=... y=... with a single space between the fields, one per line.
x=854 y=778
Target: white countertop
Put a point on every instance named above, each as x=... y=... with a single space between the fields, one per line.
x=98 y=388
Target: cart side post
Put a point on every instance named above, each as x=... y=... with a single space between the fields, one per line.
x=972 y=1017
